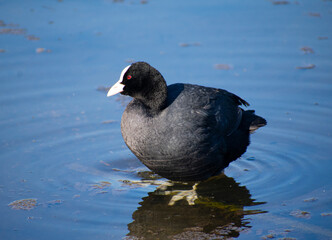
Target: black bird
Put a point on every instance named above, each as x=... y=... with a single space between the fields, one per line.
x=182 y=132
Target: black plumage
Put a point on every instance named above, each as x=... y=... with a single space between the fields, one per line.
x=183 y=132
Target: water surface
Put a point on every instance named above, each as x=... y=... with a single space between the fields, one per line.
x=61 y=144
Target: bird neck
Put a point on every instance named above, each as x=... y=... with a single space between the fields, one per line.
x=155 y=95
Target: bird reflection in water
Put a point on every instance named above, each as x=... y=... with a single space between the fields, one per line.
x=212 y=209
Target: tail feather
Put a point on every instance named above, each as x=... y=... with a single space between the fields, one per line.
x=254 y=121
x=238 y=141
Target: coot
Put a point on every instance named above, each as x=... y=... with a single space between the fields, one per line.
x=182 y=132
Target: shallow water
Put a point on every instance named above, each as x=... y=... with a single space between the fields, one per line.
x=61 y=142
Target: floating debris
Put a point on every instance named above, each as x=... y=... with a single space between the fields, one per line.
x=323 y=38
x=310 y=66
x=101 y=185
x=24 y=204
x=116 y=170
x=277 y=234
x=269 y=236
x=326 y=214
x=307 y=50
x=32 y=38
x=108 y=121
x=222 y=66
x=100 y=188
x=184 y=44
x=300 y=214
x=105 y=163
x=195 y=44
x=12 y=25
x=2 y=50
x=120 y=170
x=312 y=14
x=54 y=203
x=313 y=199
x=14 y=31
x=33 y=218
x=41 y=50
x=280 y=2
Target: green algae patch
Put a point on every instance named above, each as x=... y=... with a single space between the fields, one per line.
x=23 y=204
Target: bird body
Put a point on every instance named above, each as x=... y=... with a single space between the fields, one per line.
x=182 y=132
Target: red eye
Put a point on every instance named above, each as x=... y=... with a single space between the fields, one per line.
x=129 y=77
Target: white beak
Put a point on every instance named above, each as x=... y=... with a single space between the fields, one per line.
x=118 y=86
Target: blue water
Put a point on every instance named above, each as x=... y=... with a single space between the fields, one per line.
x=60 y=137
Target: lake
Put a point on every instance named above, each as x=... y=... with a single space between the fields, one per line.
x=65 y=171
